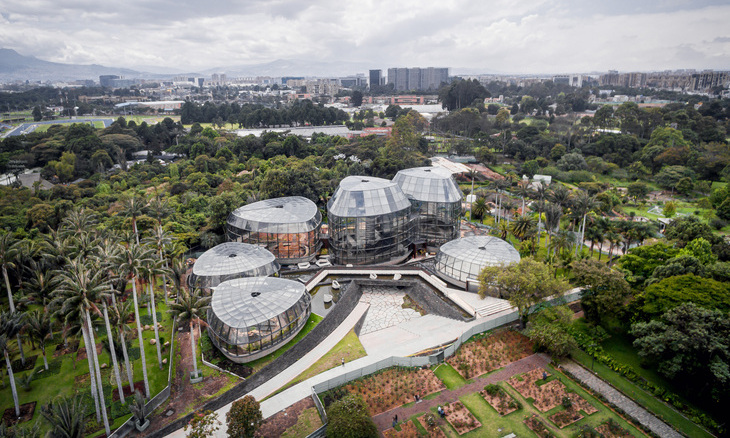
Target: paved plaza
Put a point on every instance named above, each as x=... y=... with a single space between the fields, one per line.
x=386 y=308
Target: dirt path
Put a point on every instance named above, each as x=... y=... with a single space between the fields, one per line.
x=185 y=396
x=385 y=420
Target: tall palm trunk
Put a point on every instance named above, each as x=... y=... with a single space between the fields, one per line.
x=20 y=347
x=126 y=359
x=154 y=322
x=102 y=401
x=45 y=360
x=7 y=286
x=92 y=373
x=192 y=347
x=12 y=383
x=141 y=341
x=115 y=364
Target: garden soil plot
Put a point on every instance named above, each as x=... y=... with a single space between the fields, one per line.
x=394 y=387
x=502 y=402
x=184 y=396
x=18 y=365
x=278 y=423
x=545 y=396
x=26 y=413
x=61 y=350
x=579 y=403
x=538 y=427
x=430 y=423
x=460 y=418
x=610 y=429
x=81 y=355
x=490 y=353
x=128 y=392
x=566 y=417
x=407 y=430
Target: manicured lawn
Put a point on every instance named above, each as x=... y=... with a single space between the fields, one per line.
x=451 y=378
x=311 y=323
x=348 y=348
x=307 y=422
x=643 y=398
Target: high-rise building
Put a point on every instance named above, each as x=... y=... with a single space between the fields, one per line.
x=430 y=78
x=375 y=77
x=107 y=80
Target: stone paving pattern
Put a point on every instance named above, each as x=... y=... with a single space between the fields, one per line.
x=385 y=308
x=626 y=404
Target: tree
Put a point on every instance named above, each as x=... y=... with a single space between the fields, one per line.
x=244 y=418
x=356 y=98
x=691 y=346
x=67 y=416
x=203 y=425
x=637 y=191
x=41 y=329
x=670 y=209
x=348 y=417
x=480 y=208
x=671 y=292
x=9 y=248
x=461 y=93
x=9 y=327
x=524 y=284
x=686 y=229
x=134 y=207
x=606 y=290
x=572 y=161
x=548 y=329
x=191 y=308
x=701 y=249
x=37 y=114
x=121 y=311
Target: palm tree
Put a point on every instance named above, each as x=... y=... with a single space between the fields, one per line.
x=133 y=260
x=613 y=238
x=80 y=288
x=583 y=204
x=9 y=327
x=559 y=194
x=41 y=329
x=9 y=248
x=115 y=364
x=562 y=242
x=67 y=417
x=479 y=208
x=523 y=189
x=472 y=174
x=78 y=221
x=191 y=308
x=134 y=207
x=595 y=235
x=41 y=284
x=152 y=268
x=553 y=213
x=523 y=226
x=179 y=268
x=161 y=240
x=503 y=230
x=541 y=191
x=121 y=312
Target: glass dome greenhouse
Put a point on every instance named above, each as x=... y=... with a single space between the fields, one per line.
x=460 y=261
x=370 y=221
x=288 y=227
x=252 y=317
x=436 y=198
x=231 y=260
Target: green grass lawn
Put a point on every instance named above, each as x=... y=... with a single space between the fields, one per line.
x=64 y=383
x=451 y=378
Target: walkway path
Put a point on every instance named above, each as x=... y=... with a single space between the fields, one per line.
x=626 y=404
x=385 y=420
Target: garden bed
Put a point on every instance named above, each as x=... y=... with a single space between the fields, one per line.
x=393 y=387
x=26 y=413
x=18 y=366
x=299 y=419
x=611 y=429
x=489 y=353
x=538 y=427
x=407 y=430
x=498 y=398
x=60 y=350
x=566 y=417
x=430 y=423
x=128 y=392
x=545 y=396
x=460 y=418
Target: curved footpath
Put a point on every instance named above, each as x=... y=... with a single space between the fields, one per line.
x=617 y=398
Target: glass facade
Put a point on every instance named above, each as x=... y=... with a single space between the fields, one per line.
x=231 y=260
x=436 y=198
x=370 y=221
x=252 y=317
x=463 y=259
x=288 y=227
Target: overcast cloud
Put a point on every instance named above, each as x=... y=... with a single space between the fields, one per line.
x=548 y=36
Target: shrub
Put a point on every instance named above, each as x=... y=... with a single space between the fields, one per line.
x=492 y=389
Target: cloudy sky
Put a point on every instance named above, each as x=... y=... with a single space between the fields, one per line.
x=548 y=36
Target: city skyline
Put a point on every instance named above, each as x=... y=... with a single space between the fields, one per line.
x=542 y=37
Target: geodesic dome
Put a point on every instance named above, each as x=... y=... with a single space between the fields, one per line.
x=231 y=260
x=463 y=259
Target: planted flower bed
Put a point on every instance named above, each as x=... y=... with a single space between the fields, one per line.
x=611 y=429
x=460 y=418
x=545 y=396
x=498 y=398
x=394 y=387
x=430 y=423
x=407 y=430
x=566 y=417
x=538 y=427
x=490 y=353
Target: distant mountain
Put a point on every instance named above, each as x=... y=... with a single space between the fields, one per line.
x=14 y=66
x=293 y=67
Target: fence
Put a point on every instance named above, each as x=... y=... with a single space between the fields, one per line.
x=155 y=401
x=215 y=367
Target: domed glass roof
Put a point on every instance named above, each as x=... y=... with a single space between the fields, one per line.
x=247 y=302
x=359 y=196
x=297 y=213
x=464 y=258
x=428 y=184
x=232 y=260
